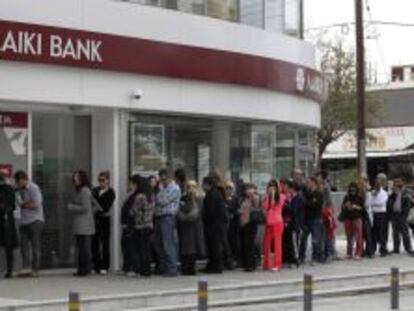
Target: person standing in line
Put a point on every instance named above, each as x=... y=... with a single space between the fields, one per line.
x=82 y=207
x=367 y=217
x=8 y=234
x=273 y=205
x=189 y=226
x=313 y=222
x=248 y=228
x=352 y=210
x=30 y=200
x=386 y=184
x=233 y=206
x=293 y=217
x=329 y=225
x=214 y=219
x=130 y=259
x=105 y=196
x=378 y=205
x=142 y=212
x=399 y=206
x=167 y=205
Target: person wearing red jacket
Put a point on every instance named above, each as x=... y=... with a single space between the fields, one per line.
x=273 y=204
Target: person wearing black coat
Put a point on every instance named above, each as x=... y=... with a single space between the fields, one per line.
x=190 y=228
x=398 y=206
x=312 y=222
x=214 y=220
x=105 y=196
x=130 y=258
x=233 y=234
x=8 y=235
x=293 y=220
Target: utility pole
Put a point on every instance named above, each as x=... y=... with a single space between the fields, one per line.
x=360 y=63
x=301 y=20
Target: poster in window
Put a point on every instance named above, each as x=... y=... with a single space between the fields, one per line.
x=203 y=161
x=147 y=148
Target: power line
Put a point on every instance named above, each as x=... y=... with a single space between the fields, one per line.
x=372 y=22
x=378 y=43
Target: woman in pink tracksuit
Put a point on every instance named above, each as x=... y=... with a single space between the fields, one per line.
x=273 y=204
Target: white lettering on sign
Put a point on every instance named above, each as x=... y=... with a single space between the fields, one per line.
x=75 y=49
x=22 y=42
x=31 y=43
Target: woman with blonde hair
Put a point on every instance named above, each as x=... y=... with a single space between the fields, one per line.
x=189 y=226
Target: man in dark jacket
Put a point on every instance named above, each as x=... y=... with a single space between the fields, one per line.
x=8 y=236
x=293 y=219
x=313 y=222
x=214 y=219
x=398 y=207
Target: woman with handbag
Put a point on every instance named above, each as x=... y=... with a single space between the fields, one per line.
x=248 y=221
x=82 y=208
x=142 y=212
x=189 y=227
x=273 y=204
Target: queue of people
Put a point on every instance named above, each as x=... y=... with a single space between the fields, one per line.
x=169 y=222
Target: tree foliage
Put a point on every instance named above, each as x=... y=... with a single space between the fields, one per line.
x=339 y=112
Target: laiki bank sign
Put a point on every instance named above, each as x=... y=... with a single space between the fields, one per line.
x=51 y=45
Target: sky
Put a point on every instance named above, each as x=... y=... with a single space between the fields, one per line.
x=385 y=46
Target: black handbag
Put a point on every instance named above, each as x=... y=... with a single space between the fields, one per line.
x=257 y=216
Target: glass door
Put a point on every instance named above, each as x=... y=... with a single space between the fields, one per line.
x=61 y=145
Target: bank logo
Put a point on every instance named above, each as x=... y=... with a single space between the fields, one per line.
x=300 y=80
x=17 y=137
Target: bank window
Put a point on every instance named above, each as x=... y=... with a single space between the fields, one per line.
x=222 y=9
x=274 y=15
x=13 y=142
x=147 y=148
x=285 y=151
x=303 y=137
x=251 y=12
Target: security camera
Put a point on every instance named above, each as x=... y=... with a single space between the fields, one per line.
x=138 y=93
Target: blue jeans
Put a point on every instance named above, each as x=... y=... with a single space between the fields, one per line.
x=312 y=227
x=166 y=244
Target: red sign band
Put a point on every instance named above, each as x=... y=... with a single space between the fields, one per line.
x=84 y=49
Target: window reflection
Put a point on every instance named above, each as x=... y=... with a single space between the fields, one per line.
x=251 y=12
x=223 y=9
x=272 y=15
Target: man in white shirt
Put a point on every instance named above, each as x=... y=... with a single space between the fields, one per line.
x=378 y=206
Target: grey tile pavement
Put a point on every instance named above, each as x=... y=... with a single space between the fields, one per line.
x=56 y=285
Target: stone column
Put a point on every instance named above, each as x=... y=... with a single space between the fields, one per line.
x=220 y=147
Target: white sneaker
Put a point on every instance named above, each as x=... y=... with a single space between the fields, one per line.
x=103 y=272
x=275 y=269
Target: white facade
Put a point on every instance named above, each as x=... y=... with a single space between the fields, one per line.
x=107 y=97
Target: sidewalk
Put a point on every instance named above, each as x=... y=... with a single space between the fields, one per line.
x=362 y=303
x=57 y=284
